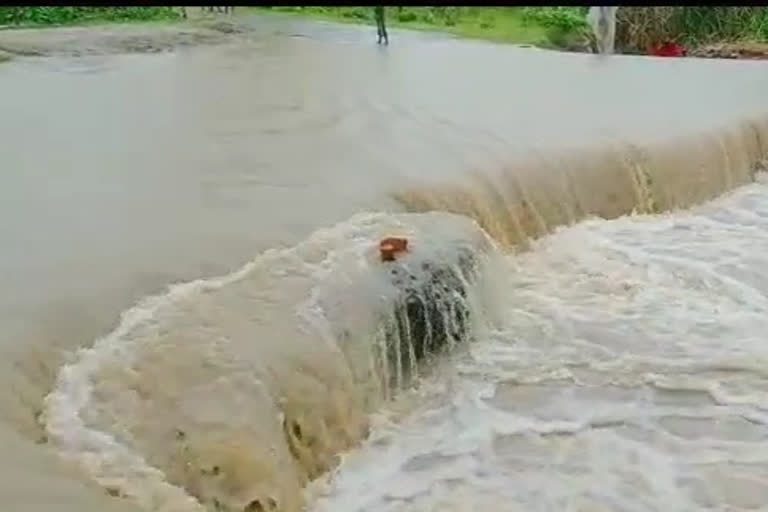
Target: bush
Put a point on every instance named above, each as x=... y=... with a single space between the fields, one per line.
x=407 y=15
x=447 y=16
x=561 y=18
x=66 y=15
x=640 y=28
x=358 y=13
x=707 y=24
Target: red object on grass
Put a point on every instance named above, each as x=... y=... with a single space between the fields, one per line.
x=390 y=247
x=669 y=49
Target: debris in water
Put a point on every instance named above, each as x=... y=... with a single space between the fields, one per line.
x=390 y=247
x=114 y=492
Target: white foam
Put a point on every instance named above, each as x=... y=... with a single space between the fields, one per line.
x=106 y=459
x=630 y=375
x=334 y=264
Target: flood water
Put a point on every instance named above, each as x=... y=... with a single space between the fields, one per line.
x=617 y=362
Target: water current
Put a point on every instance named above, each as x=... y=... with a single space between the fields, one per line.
x=616 y=214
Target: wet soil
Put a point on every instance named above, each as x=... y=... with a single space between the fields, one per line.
x=112 y=39
x=743 y=50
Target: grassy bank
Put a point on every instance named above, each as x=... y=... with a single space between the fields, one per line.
x=549 y=27
x=57 y=16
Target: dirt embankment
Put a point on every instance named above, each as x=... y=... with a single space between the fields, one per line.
x=110 y=39
x=733 y=51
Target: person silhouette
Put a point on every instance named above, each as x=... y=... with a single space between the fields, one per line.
x=381 y=27
x=602 y=20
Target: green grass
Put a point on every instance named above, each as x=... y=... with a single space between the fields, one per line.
x=56 y=16
x=550 y=27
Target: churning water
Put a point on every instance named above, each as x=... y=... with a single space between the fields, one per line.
x=610 y=354
x=628 y=373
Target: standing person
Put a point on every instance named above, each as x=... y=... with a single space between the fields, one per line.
x=603 y=23
x=381 y=28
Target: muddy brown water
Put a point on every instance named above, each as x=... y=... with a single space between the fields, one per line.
x=123 y=174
